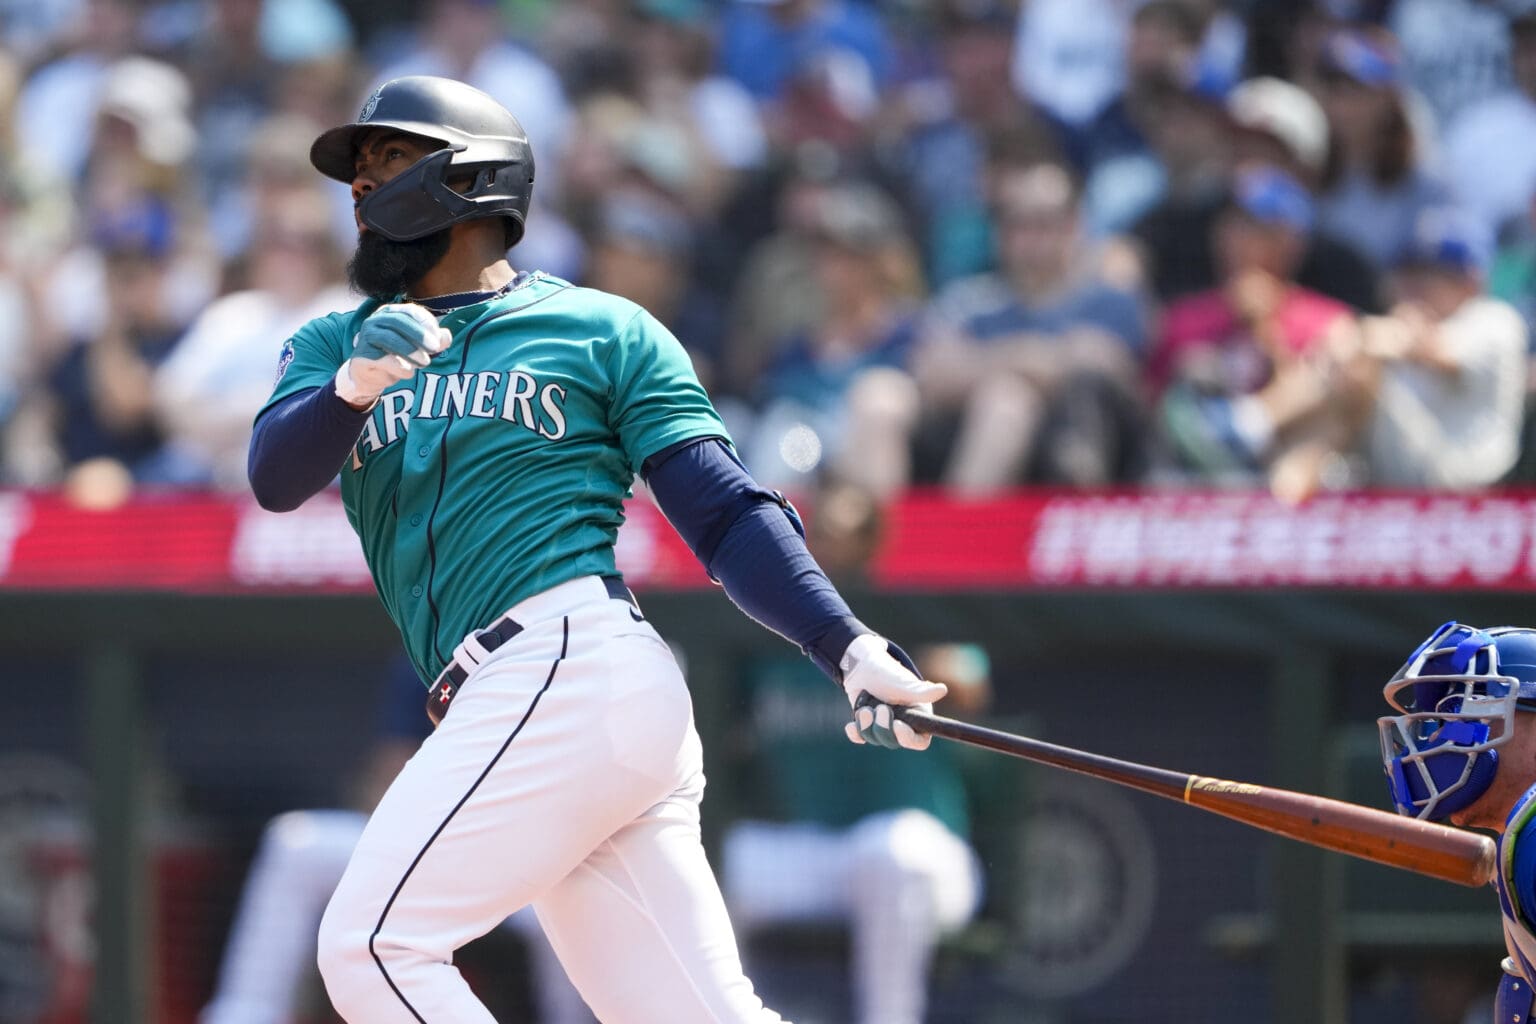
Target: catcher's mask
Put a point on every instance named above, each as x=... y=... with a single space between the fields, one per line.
x=1458 y=694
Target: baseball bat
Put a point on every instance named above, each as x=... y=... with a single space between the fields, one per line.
x=1438 y=851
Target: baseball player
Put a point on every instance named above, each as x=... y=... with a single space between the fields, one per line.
x=488 y=425
x=1463 y=751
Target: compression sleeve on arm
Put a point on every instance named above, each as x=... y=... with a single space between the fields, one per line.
x=298 y=446
x=748 y=539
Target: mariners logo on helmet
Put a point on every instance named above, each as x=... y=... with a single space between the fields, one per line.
x=370 y=106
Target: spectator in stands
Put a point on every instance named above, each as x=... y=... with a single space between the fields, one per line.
x=948 y=126
x=1236 y=367
x=271 y=946
x=1069 y=57
x=1443 y=377
x=641 y=249
x=1267 y=121
x=1277 y=123
x=100 y=398
x=884 y=854
x=823 y=395
x=1124 y=175
x=674 y=61
x=778 y=264
x=1188 y=134
x=467 y=40
x=1498 y=188
x=208 y=390
x=1032 y=371
x=57 y=106
x=1376 y=183
x=1513 y=274
x=1456 y=53
x=764 y=44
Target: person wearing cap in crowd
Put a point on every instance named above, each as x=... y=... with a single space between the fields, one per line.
x=1028 y=375
x=1441 y=380
x=817 y=412
x=1375 y=183
x=1234 y=368
x=1266 y=121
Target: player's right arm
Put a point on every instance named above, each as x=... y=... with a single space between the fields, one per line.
x=326 y=390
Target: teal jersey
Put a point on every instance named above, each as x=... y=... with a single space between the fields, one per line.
x=500 y=470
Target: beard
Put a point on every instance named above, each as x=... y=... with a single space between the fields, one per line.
x=382 y=269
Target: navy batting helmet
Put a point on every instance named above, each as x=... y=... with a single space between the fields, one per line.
x=1458 y=694
x=481 y=141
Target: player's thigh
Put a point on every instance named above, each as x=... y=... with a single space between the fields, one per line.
x=775 y=872
x=642 y=930
x=528 y=772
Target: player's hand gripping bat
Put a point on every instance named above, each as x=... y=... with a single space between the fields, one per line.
x=1438 y=851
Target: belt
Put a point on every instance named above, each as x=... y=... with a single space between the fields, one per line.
x=489 y=639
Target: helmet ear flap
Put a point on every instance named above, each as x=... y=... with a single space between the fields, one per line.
x=1484 y=767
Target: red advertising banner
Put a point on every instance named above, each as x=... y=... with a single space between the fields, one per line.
x=208 y=544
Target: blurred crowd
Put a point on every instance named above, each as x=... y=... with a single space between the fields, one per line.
x=974 y=244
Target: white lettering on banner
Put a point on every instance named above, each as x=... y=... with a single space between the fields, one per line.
x=1244 y=540
x=15 y=520
x=314 y=544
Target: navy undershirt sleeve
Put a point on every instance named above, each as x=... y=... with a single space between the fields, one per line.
x=748 y=540
x=299 y=445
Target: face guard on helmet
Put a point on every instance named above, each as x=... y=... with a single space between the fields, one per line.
x=482 y=142
x=1458 y=694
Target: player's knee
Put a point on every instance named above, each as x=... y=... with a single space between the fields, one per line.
x=342 y=954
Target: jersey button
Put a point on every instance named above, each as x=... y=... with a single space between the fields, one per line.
x=424 y=451
x=416 y=590
x=416 y=519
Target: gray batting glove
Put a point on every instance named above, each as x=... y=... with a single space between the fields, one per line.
x=395 y=341
x=875 y=680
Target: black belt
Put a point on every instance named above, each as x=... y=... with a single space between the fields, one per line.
x=493 y=636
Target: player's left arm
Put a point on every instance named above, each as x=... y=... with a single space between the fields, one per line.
x=750 y=541
x=748 y=537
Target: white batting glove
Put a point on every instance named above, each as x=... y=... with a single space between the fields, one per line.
x=875 y=680
x=395 y=341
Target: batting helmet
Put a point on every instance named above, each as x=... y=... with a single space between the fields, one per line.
x=1458 y=694
x=481 y=141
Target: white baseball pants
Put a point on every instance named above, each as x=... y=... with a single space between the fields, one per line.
x=566 y=774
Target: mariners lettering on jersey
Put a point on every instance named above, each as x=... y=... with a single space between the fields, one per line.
x=515 y=397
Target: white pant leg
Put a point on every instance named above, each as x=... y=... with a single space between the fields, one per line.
x=642 y=928
x=272 y=941
x=564 y=736
x=913 y=880
x=554 y=995
x=900 y=880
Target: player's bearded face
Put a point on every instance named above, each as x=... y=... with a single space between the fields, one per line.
x=382 y=269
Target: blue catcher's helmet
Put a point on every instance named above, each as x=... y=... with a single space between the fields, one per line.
x=1458 y=694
